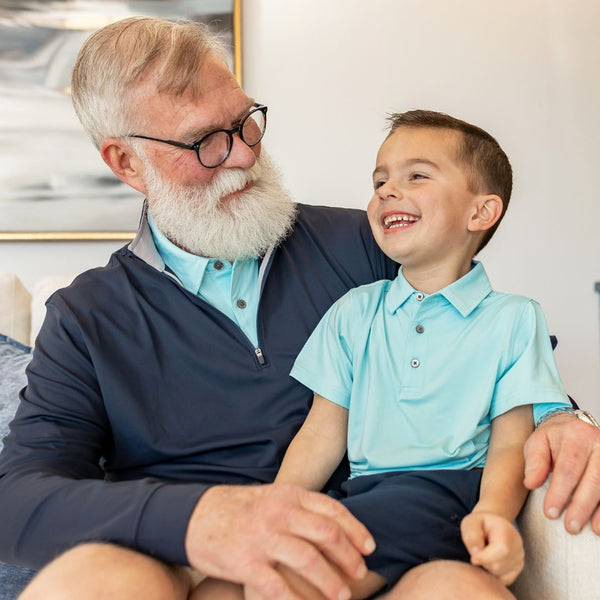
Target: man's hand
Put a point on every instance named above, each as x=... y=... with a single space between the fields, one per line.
x=241 y=533
x=570 y=449
x=494 y=544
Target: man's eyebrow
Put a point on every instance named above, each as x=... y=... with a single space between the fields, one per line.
x=197 y=134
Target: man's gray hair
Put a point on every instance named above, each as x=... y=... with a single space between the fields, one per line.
x=116 y=58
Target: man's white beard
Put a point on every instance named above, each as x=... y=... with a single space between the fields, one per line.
x=197 y=220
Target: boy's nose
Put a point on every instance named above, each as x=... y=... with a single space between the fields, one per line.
x=389 y=192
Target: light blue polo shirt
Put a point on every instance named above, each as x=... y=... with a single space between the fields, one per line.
x=423 y=375
x=230 y=288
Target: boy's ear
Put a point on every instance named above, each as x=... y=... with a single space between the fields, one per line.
x=123 y=162
x=488 y=210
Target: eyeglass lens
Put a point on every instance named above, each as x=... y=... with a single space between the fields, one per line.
x=215 y=148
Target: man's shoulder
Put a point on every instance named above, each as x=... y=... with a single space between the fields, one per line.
x=335 y=217
x=93 y=284
x=335 y=229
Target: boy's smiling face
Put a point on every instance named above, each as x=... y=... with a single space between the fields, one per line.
x=421 y=209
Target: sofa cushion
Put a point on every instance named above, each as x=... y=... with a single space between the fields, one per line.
x=14 y=357
x=15 y=308
x=12 y=580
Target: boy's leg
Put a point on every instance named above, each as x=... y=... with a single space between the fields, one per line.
x=210 y=589
x=213 y=589
x=414 y=517
x=93 y=571
x=448 y=580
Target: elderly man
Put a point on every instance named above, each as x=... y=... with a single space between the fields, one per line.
x=159 y=388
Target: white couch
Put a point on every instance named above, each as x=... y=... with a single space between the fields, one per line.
x=558 y=566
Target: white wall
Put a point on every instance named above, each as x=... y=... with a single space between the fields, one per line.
x=526 y=71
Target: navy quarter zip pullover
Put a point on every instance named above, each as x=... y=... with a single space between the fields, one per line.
x=141 y=395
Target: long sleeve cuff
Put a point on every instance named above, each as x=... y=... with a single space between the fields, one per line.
x=163 y=526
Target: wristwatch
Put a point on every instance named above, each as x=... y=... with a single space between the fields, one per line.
x=586 y=417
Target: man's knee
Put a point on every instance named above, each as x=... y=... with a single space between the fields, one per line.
x=106 y=571
x=449 y=580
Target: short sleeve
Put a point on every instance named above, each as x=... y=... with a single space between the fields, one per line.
x=324 y=364
x=528 y=374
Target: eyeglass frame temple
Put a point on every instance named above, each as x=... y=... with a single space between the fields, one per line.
x=231 y=132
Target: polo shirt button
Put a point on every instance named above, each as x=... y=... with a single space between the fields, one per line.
x=218 y=265
x=414 y=363
x=241 y=304
x=420 y=329
x=420 y=296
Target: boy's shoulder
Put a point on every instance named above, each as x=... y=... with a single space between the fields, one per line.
x=510 y=301
x=364 y=297
x=510 y=310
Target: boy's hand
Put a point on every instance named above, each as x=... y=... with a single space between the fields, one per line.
x=494 y=544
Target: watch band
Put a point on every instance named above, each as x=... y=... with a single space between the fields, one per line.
x=587 y=417
x=560 y=410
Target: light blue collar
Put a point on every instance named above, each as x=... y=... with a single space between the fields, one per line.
x=465 y=294
x=189 y=268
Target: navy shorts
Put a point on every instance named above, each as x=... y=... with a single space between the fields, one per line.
x=414 y=516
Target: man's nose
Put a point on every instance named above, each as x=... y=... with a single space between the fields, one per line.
x=241 y=156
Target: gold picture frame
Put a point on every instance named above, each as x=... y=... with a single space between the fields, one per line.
x=21 y=176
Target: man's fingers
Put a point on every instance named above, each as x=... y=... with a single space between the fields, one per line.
x=268 y=583
x=331 y=539
x=570 y=465
x=586 y=497
x=538 y=459
x=355 y=531
x=304 y=560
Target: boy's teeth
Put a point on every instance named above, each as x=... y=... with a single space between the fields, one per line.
x=399 y=220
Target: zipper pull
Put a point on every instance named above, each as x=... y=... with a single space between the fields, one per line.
x=260 y=356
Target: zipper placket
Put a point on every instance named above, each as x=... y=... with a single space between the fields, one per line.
x=262 y=272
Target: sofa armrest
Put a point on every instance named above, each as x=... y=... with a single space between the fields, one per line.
x=15 y=308
x=557 y=565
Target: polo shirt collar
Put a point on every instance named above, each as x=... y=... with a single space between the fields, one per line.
x=465 y=294
x=188 y=267
x=468 y=292
x=143 y=245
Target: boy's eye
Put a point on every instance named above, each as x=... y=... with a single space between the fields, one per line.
x=414 y=176
x=378 y=184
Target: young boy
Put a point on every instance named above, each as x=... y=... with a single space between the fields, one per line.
x=425 y=379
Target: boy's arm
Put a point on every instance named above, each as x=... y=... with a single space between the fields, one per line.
x=318 y=448
x=502 y=489
x=488 y=532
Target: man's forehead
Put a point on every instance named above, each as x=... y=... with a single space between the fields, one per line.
x=213 y=98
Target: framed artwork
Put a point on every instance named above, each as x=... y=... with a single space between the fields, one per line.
x=53 y=183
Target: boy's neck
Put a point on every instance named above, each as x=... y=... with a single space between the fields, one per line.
x=433 y=278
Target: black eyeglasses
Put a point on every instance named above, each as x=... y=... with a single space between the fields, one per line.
x=213 y=148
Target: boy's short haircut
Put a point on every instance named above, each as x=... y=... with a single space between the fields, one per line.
x=487 y=167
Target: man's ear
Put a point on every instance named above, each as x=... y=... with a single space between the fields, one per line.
x=488 y=210
x=123 y=162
